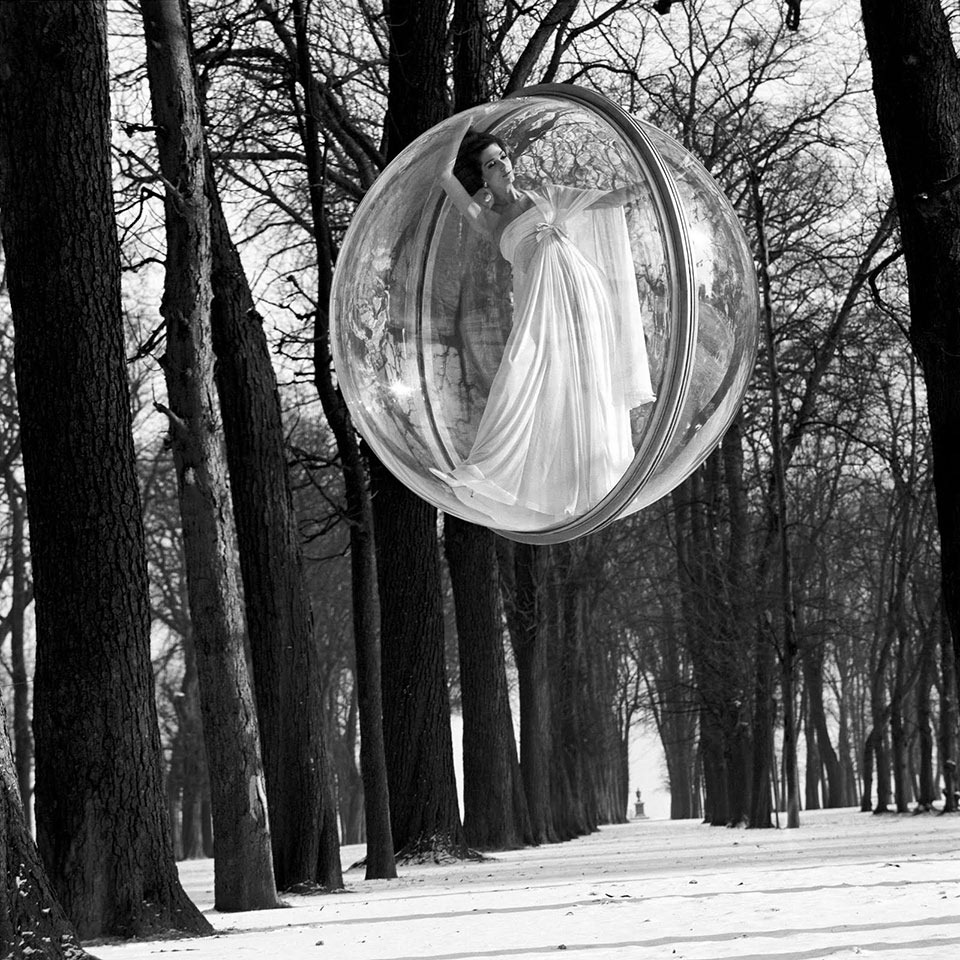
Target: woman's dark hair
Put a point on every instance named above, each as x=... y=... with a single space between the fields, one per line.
x=467 y=167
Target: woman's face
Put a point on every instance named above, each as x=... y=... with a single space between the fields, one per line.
x=496 y=169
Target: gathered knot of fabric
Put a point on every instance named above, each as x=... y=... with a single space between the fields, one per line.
x=546 y=229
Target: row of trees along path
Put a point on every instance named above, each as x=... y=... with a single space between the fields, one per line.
x=103 y=835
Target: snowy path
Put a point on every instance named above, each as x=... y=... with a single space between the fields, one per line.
x=844 y=885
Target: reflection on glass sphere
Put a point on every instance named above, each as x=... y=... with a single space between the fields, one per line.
x=563 y=355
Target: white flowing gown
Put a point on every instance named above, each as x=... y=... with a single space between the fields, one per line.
x=554 y=437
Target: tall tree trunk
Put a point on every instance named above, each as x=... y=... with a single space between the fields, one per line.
x=32 y=922
x=675 y=715
x=530 y=653
x=812 y=666
x=349 y=780
x=19 y=599
x=417 y=67
x=899 y=762
x=881 y=745
x=949 y=710
x=423 y=801
x=845 y=750
x=495 y=808
x=424 y=810
x=876 y=762
x=686 y=569
x=716 y=808
x=813 y=768
x=680 y=761
x=591 y=738
x=563 y=777
x=190 y=757
x=286 y=658
x=875 y=744
x=567 y=691
x=916 y=83
x=926 y=788
x=380 y=862
x=243 y=875
x=869 y=759
x=737 y=614
x=490 y=820
x=899 y=746
x=102 y=823
x=791 y=770
x=788 y=613
x=471 y=58
x=764 y=714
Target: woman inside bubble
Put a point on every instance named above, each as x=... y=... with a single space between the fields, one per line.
x=554 y=437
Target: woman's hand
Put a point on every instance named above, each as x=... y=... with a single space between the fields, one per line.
x=458 y=131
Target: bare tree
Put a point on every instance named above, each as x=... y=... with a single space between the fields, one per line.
x=424 y=812
x=495 y=811
x=244 y=876
x=15 y=565
x=916 y=83
x=32 y=922
x=315 y=116
x=286 y=667
x=101 y=819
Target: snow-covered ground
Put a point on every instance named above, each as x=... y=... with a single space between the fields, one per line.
x=844 y=885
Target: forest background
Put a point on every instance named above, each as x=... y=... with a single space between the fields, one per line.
x=229 y=590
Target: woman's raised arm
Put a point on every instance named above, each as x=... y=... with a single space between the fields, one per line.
x=480 y=219
x=618 y=197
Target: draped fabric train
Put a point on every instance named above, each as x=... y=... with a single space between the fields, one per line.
x=555 y=436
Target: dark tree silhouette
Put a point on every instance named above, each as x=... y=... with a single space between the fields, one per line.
x=243 y=875
x=424 y=811
x=494 y=807
x=32 y=923
x=286 y=657
x=916 y=83
x=102 y=822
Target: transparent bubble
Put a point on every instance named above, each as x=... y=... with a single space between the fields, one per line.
x=575 y=360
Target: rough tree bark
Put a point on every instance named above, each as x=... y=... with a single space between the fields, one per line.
x=948 y=719
x=916 y=83
x=715 y=643
x=788 y=610
x=102 y=823
x=243 y=872
x=587 y=741
x=812 y=664
x=286 y=658
x=530 y=638
x=926 y=779
x=471 y=60
x=188 y=760
x=380 y=862
x=380 y=859
x=495 y=810
x=675 y=715
x=19 y=601
x=874 y=747
x=424 y=810
x=491 y=820
x=32 y=922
